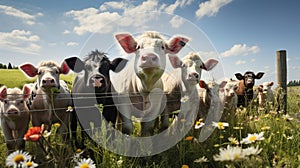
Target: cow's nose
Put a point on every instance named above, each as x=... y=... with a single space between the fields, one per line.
x=48 y=81
x=194 y=74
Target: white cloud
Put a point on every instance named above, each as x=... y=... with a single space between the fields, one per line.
x=25 y=17
x=240 y=50
x=240 y=62
x=66 y=32
x=91 y=19
x=112 y=5
x=176 y=21
x=72 y=44
x=178 y=3
x=253 y=60
x=210 y=7
x=20 y=41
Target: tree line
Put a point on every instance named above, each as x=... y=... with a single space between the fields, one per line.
x=9 y=66
x=294 y=83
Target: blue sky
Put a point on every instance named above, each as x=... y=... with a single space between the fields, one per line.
x=242 y=34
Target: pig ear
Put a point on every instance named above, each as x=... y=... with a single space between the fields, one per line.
x=202 y=84
x=223 y=83
x=75 y=64
x=176 y=44
x=118 y=64
x=239 y=76
x=29 y=70
x=271 y=83
x=3 y=92
x=175 y=61
x=259 y=75
x=64 y=69
x=210 y=64
x=127 y=42
x=26 y=91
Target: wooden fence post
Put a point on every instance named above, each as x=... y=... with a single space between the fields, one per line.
x=282 y=80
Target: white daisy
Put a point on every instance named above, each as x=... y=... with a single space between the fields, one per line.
x=85 y=163
x=201 y=160
x=184 y=99
x=251 y=138
x=287 y=117
x=199 y=124
x=220 y=125
x=229 y=154
x=29 y=164
x=251 y=151
x=17 y=158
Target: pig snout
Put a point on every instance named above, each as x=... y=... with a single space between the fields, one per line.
x=12 y=111
x=149 y=60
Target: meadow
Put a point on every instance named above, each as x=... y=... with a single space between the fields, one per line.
x=273 y=141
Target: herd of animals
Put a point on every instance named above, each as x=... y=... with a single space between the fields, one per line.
x=46 y=101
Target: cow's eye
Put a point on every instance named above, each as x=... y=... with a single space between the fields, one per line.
x=5 y=101
x=138 y=47
x=56 y=72
x=163 y=47
x=39 y=73
x=22 y=101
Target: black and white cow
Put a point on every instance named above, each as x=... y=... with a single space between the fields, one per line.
x=92 y=86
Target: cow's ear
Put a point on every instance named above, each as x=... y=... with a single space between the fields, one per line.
x=176 y=44
x=210 y=64
x=239 y=76
x=75 y=64
x=26 y=91
x=222 y=84
x=259 y=75
x=3 y=92
x=64 y=68
x=29 y=70
x=127 y=42
x=175 y=61
x=202 y=84
x=118 y=64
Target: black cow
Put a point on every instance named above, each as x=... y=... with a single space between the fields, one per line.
x=92 y=86
x=245 y=90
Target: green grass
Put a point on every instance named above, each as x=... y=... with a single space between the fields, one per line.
x=16 y=78
x=280 y=147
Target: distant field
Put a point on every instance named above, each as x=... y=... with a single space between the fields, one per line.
x=16 y=78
